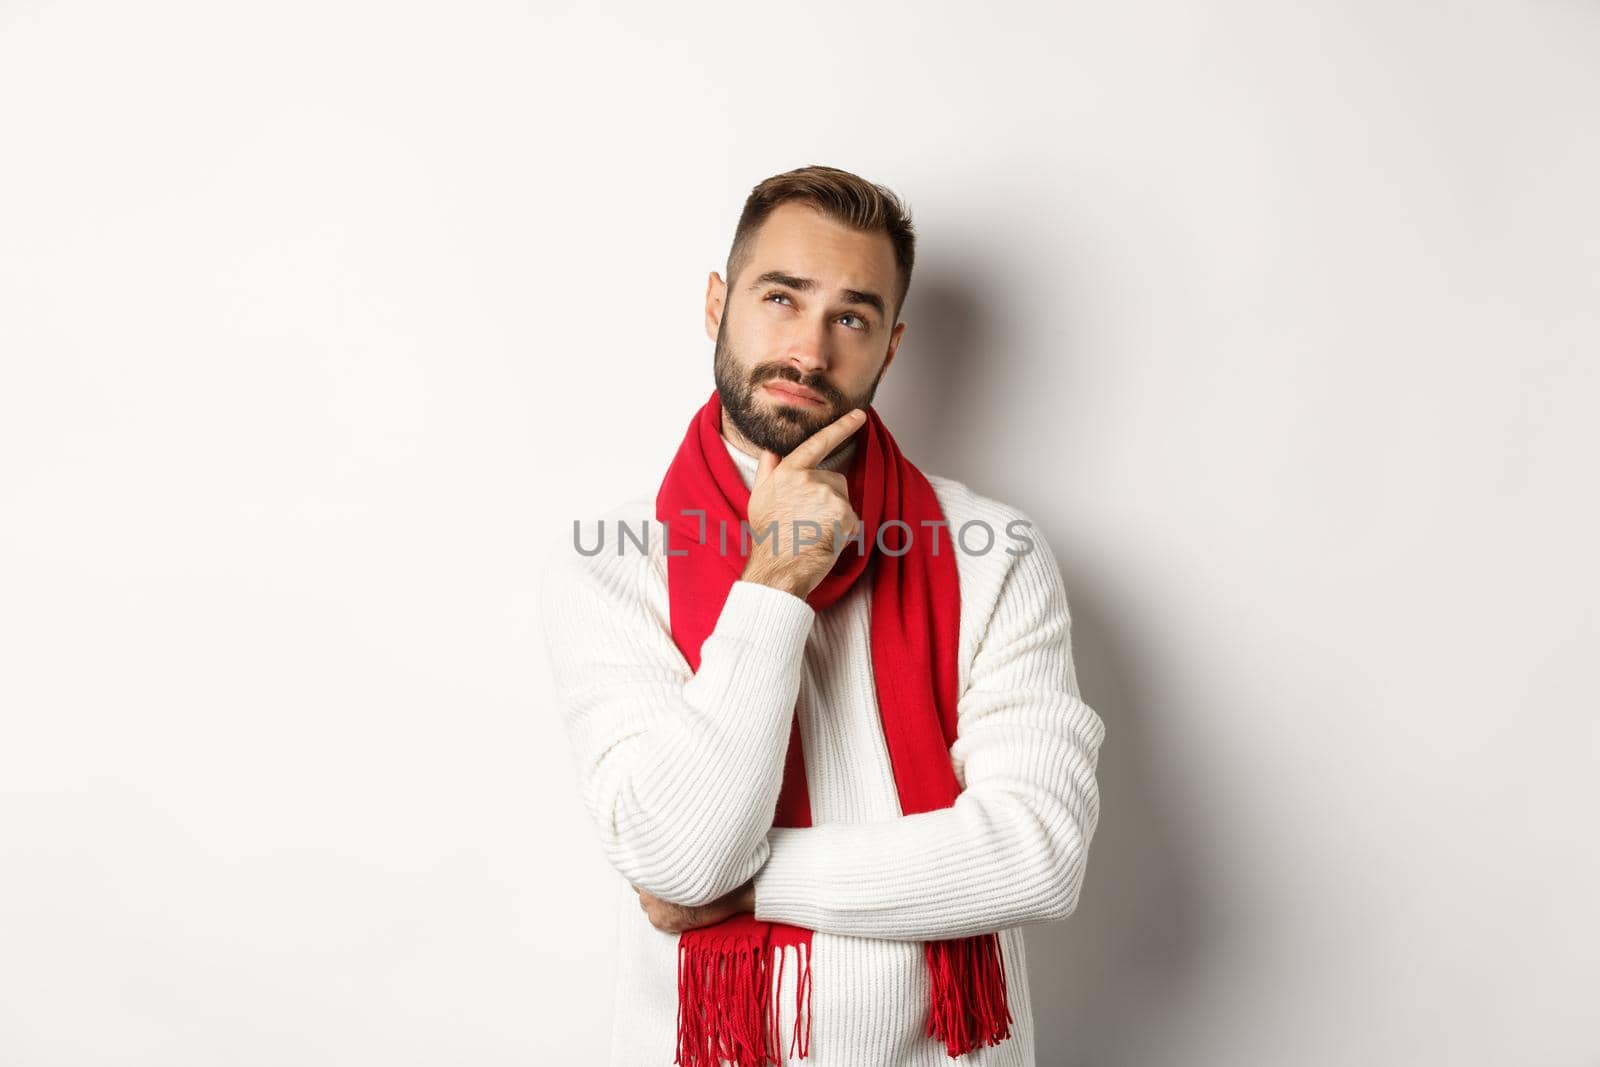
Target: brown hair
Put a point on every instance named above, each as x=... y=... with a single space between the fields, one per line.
x=842 y=196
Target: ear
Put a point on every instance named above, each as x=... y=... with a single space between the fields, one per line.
x=716 y=292
x=894 y=343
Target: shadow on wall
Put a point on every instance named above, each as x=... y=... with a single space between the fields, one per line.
x=1126 y=960
x=931 y=394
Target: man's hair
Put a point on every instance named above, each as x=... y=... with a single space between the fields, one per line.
x=842 y=196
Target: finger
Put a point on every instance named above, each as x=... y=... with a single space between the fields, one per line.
x=814 y=449
x=769 y=460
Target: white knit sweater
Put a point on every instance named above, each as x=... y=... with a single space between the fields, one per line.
x=681 y=772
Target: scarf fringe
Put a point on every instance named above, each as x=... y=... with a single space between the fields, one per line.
x=969 y=993
x=728 y=1008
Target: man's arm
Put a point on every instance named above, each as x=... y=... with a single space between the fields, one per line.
x=1012 y=848
x=679 y=770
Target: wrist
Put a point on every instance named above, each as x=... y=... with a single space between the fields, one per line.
x=773 y=578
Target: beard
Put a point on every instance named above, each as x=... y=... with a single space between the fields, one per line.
x=776 y=426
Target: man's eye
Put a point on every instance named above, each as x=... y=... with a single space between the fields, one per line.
x=785 y=298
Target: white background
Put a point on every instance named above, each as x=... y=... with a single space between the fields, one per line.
x=319 y=321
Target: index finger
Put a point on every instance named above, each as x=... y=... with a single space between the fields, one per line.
x=814 y=449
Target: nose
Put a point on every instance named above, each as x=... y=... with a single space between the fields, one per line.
x=808 y=348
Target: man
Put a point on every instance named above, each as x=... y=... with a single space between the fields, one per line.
x=827 y=723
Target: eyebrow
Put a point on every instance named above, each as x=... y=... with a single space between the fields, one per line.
x=806 y=285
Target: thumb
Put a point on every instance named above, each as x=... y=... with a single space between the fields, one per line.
x=768 y=463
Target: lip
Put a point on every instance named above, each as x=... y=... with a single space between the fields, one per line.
x=792 y=394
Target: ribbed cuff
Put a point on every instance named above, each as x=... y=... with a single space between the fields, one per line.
x=785 y=886
x=769 y=618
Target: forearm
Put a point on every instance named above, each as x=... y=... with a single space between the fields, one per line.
x=1003 y=855
x=681 y=776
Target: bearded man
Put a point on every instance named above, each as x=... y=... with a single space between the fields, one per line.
x=827 y=724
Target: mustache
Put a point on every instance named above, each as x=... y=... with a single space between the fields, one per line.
x=816 y=384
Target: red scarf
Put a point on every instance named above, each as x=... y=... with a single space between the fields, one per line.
x=726 y=1004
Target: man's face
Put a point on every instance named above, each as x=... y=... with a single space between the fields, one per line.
x=803 y=335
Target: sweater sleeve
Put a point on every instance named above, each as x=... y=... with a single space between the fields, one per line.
x=679 y=770
x=1011 y=850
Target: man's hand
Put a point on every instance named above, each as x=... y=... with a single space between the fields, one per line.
x=790 y=491
x=676 y=918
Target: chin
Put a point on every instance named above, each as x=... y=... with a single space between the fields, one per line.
x=783 y=439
